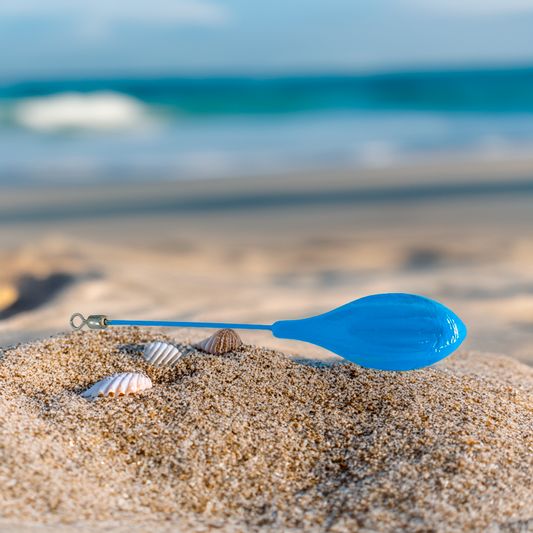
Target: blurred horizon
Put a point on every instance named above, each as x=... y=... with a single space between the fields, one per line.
x=8 y=79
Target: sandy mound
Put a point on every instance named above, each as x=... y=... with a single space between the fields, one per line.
x=252 y=440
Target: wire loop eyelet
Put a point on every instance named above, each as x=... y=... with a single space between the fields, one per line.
x=83 y=321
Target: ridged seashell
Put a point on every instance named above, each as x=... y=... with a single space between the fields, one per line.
x=223 y=341
x=160 y=354
x=119 y=385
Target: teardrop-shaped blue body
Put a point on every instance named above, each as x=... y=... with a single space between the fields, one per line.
x=384 y=331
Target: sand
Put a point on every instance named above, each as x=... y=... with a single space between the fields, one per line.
x=253 y=441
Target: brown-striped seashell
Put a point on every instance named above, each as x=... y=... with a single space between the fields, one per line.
x=161 y=354
x=118 y=385
x=223 y=341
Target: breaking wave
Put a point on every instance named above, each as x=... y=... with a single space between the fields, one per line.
x=101 y=111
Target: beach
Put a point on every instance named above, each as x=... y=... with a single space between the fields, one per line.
x=281 y=434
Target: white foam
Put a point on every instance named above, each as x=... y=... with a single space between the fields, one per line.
x=101 y=110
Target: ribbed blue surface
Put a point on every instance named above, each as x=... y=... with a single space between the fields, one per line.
x=383 y=331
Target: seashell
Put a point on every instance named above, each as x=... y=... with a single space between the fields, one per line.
x=119 y=385
x=160 y=354
x=223 y=341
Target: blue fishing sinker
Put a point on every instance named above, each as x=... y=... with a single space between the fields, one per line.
x=383 y=331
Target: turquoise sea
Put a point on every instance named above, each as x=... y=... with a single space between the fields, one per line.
x=183 y=128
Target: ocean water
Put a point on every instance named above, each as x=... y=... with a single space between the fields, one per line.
x=163 y=128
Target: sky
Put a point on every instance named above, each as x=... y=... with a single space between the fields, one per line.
x=65 y=39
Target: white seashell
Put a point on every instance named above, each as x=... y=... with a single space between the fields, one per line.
x=223 y=341
x=160 y=353
x=119 y=385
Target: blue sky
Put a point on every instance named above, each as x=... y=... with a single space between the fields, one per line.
x=61 y=38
